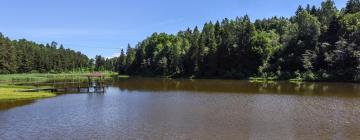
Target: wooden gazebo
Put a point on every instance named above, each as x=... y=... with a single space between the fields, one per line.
x=100 y=77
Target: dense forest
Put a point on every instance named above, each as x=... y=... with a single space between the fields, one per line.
x=22 y=56
x=317 y=43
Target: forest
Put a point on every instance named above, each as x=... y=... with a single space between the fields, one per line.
x=22 y=56
x=317 y=43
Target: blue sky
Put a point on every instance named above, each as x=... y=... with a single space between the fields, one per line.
x=105 y=26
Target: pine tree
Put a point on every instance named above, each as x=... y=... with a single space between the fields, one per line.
x=121 y=62
x=352 y=6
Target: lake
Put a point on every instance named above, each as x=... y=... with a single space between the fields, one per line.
x=162 y=109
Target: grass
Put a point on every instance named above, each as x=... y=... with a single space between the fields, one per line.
x=123 y=76
x=296 y=80
x=43 y=77
x=11 y=92
x=262 y=79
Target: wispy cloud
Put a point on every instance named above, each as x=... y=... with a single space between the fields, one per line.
x=113 y=55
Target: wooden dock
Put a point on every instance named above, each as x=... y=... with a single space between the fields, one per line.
x=67 y=90
x=94 y=84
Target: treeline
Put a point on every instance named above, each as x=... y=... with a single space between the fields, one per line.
x=22 y=56
x=318 y=43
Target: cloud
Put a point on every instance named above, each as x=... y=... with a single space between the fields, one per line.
x=113 y=55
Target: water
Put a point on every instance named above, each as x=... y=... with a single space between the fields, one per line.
x=192 y=109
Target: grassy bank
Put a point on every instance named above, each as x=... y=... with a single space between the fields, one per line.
x=42 y=77
x=12 y=92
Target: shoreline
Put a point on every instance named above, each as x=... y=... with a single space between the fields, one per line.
x=12 y=93
x=251 y=79
x=11 y=84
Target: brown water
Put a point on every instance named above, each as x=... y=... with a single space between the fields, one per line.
x=192 y=109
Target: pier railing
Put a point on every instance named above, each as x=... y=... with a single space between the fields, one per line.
x=94 y=83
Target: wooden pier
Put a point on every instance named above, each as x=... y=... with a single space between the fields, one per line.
x=94 y=84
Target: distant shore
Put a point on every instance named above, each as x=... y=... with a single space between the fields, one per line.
x=11 y=85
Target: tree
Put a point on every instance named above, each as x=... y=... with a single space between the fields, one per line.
x=308 y=29
x=207 y=51
x=7 y=56
x=316 y=43
x=175 y=56
x=130 y=57
x=302 y=36
x=23 y=56
x=263 y=46
x=240 y=50
x=327 y=13
x=308 y=59
x=352 y=6
x=350 y=27
x=99 y=63
x=91 y=64
x=191 y=62
x=121 y=63
x=332 y=33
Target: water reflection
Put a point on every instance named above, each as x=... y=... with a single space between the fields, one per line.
x=182 y=109
x=236 y=86
x=62 y=87
x=4 y=105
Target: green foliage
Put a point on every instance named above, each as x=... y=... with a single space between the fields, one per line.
x=121 y=62
x=11 y=92
x=350 y=26
x=43 y=77
x=352 y=6
x=326 y=13
x=100 y=63
x=263 y=46
x=22 y=56
x=318 y=43
x=308 y=28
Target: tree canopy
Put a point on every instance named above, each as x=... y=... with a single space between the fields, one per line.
x=22 y=56
x=317 y=43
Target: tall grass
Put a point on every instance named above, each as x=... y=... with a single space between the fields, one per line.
x=42 y=77
x=10 y=84
x=11 y=92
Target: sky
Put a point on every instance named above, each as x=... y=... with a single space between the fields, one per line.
x=104 y=27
